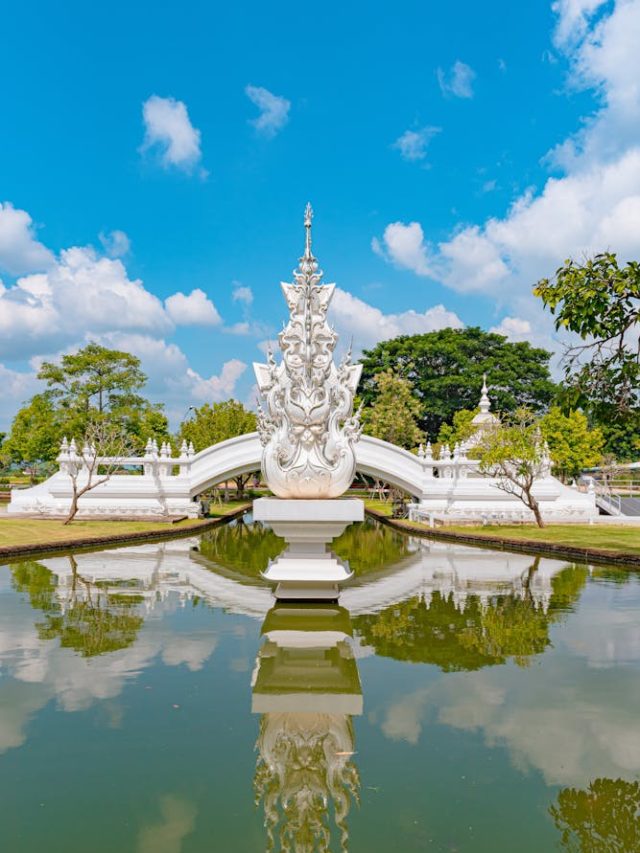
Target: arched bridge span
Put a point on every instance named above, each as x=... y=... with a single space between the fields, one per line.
x=242 y=455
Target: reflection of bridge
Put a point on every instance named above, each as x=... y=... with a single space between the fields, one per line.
x=177 y=568
x=168 y=485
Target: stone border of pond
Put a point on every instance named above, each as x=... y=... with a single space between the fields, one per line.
x=601 y=556
x=9 y=553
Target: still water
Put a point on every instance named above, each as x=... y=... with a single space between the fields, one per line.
x=152 y=699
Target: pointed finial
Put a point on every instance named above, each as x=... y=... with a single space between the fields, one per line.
x=308 y=217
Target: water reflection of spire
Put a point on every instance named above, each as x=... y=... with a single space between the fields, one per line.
x=307 y=688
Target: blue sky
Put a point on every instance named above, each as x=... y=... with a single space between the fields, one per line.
x=453 y=153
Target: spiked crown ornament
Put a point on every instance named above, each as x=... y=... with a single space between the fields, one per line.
x=307 y=426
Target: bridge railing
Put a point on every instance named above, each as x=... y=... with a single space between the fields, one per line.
x=157 y=461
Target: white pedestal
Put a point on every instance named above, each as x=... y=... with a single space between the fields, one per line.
x=307 y=570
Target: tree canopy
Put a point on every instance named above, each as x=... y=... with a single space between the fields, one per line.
x=211 y=424
x=460 y=429
x=572 y=445
x=445 y=369
x=393 y=415
x=599 y=301
x=94 y=384
x=95 y=378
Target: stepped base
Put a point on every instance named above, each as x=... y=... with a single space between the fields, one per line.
x=306 y=570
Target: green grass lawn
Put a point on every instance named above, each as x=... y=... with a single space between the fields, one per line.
x=623 y=539
x=610 y=538
x=42 y=531
x=218 y=510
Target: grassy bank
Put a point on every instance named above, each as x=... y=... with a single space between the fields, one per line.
x=20 y=536
x=625 y=540
x=578 y=541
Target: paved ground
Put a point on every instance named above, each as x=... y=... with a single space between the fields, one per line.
x=630 y=506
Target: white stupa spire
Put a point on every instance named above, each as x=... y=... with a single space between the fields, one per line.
x=485 y=402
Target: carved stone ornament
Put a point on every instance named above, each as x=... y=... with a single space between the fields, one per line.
x=307 y=428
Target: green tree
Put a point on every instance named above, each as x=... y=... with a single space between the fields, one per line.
x=445 y=370
x=393 y=415
x=91 y=385
x=572 y=445
x=512 y=453
x=460 y=429
x=599 y=301
x=603 y=818
x=211 y=424
x=95 y=378
x=36 y=434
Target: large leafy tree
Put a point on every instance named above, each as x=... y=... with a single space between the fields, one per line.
x=572 y=444
x=599 y=300
x=395 y=411
x=96 y=378
x=35 y=435
x=211 y=424
x=91 y=386
x=445 y=370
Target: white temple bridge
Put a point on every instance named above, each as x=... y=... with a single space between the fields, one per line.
x=170 y=485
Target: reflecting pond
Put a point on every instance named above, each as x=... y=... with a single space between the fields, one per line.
x=153 y=699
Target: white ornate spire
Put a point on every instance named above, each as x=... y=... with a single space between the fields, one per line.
x=485 y=402
x=308 y=429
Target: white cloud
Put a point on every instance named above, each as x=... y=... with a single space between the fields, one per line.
x=16 y=387
x=195 y=309
x=82 y=292
x=83 y=296
x=274 y=110
x=171 y=379
x=593 y=205
x=459 y=80
x=217 y=387
x=116 y=244
x=413 y=144
x=367 y=324
x=242 y=294
x=559 y=717
x=573 y=18
x=514 y=328
x=20 y=252
x=169 y=130
x=242 y=328
x=404 y=246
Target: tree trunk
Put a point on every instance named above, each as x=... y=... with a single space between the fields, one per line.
x=73 y=509
x=535 y=508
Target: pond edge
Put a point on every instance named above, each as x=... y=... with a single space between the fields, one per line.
x=9 y=553
x=549 y=549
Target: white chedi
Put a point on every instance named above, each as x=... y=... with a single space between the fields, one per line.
x=307 y=427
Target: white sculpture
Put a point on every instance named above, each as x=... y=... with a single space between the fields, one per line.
x=308 y=430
